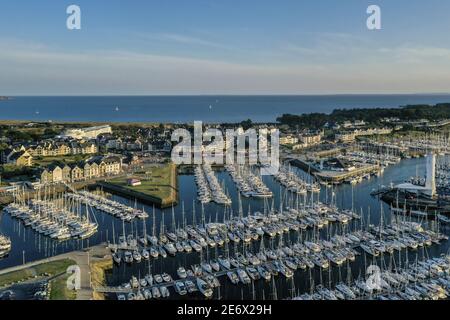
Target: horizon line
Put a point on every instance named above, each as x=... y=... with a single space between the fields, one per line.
x=226 y=94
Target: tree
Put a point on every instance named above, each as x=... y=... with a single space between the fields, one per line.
x=247 y=124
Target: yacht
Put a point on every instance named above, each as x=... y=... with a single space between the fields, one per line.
x=204 y=288
x=164 y=292
x=149 y=279
x=154 y=252
x=158 y=278
x=181 y=271
x=206 y=267
x=162 y=252
x=137 y=256
x=179 y=246
x=253 y=273
x=145 y=254
x=166 y=277
x=233 y=277
x=187 y=247
x=128 y=257
x=225 y=263
x=264 y=273
x=190 y=286
x=170 y=248
x=215 y=265
x=180 y=288
x=243 y=276
x=134 y=282
x=117 y=258
x=156 y=293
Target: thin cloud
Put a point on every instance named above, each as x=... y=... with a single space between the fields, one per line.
x=29 y=68
x=184 y=40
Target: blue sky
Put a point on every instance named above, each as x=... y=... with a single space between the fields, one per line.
x=227 y=46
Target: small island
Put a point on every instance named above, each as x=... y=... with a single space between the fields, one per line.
x=2 y=98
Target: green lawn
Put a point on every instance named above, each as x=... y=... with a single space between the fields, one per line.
x=59 y=291
x=50 y=268
x=45 y=161
x=16 y=276
x=159 y=182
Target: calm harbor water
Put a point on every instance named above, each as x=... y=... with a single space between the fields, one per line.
x=31 y=246
x=203 y=108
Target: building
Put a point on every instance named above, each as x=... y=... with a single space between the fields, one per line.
x=87 y=133
x=288 y=140
x=93 y=168
x=336 y=164
x=134 y=182
x=311 y=139
x=76 y=173
x=59 y=149
x=160 y=146
x=345 y=136
x=17 y=157
x=350 y=136
x=372 y=131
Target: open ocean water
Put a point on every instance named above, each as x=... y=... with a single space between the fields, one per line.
x=181 y=109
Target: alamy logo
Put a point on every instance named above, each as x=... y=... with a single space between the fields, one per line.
x=373 y=282
x=374 y=20
x=73 y=21
x=74 y=280
x=229 y=150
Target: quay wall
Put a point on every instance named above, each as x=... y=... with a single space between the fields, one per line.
x=303 y=165
x=338 y=177
x=143 y=197
x=131 y=194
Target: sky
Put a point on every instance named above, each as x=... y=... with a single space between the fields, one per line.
x=149 y=47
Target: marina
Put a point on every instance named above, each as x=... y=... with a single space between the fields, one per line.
x=421 y=280
x=291 y=240
x=55 y=218
x=293 y=183
x=241 y=229
x=209 y=188
x=248 y=183
x=199 y=156
x=111 y=207
x=284 y=260
x=5 y=246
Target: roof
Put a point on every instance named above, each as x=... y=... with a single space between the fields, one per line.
x=111 y=159
x=17 y=155
x=53 y=166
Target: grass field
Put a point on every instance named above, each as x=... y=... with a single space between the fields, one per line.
x=158 y=182
x=45 y=161
x=59 y=291
x=48 y=268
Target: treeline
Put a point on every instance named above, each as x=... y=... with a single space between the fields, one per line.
x=373 y=116
x=22 y=134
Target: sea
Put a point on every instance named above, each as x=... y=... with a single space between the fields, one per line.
x=182 y=109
